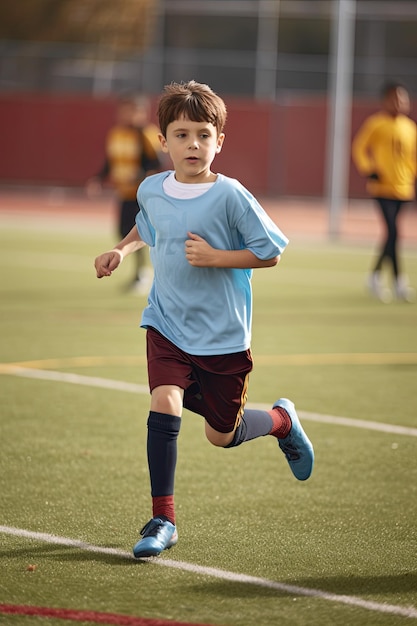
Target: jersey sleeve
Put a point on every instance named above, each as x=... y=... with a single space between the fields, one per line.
x=258 y=231
x=143 y=223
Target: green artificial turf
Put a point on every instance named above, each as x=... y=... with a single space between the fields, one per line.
x=73 y=457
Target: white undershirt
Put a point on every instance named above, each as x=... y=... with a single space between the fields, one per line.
x=184 y=191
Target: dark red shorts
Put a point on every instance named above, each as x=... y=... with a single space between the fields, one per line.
x=214 y=386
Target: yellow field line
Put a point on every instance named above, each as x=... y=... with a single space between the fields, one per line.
x=348 y=358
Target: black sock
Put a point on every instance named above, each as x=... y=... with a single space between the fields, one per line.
x=163 y=432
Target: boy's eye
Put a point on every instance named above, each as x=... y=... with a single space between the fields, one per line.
x=204 y=135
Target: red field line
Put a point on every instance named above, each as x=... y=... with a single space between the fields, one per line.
x=88 y=616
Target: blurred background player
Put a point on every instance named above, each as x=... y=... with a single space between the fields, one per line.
x=141 y=120
x=131 y=154
x=384 y=150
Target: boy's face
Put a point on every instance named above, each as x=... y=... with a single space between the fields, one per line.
x=192 y=147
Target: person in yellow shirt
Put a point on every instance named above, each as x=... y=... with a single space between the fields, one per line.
x=384 y=150
x=131 y=153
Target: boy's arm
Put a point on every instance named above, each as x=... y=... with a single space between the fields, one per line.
x=200 y=254
x=107 y=262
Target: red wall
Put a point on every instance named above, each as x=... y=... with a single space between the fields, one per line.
x=52 y=139
x=271 y=147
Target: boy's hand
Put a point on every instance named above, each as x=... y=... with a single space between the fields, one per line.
x=198 y=252
x=106 y=263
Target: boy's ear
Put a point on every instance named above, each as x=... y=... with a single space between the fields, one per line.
x=163 y=142
x=220 y=140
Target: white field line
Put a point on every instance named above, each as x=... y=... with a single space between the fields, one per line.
x=293 y=590
x=196 y=569
x=75 y=379
x=118 y=385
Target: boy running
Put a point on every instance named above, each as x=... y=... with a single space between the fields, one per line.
x=206 y=233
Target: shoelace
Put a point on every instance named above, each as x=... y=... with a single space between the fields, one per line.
x=151 y=528
x=290 y=452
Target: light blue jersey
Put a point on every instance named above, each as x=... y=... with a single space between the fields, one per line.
x=203 y=310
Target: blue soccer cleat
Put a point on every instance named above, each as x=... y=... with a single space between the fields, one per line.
x=296 y=445
x=157 y=535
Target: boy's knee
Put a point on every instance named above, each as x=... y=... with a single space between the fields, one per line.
x=239 y=436
x=216 y=443
x=227 y=440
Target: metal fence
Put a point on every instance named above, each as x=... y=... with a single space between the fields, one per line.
x=245 y=48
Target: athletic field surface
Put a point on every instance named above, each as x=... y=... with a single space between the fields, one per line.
x=256 y=547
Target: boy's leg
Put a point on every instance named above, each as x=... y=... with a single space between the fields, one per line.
x=163 y=430
x=222 y=399
x=164 y=423
x=160 y=532
x=284 y=424
x=256 y=423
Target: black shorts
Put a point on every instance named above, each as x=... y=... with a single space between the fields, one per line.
x=214 y=386
x=128 y=211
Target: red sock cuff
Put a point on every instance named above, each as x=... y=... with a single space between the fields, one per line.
x=281 y=422
x=164 y=505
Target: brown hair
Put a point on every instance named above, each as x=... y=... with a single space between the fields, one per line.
x=193 y=100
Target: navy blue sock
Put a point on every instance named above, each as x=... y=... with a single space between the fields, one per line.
x=163 y=432
x=254 y=424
